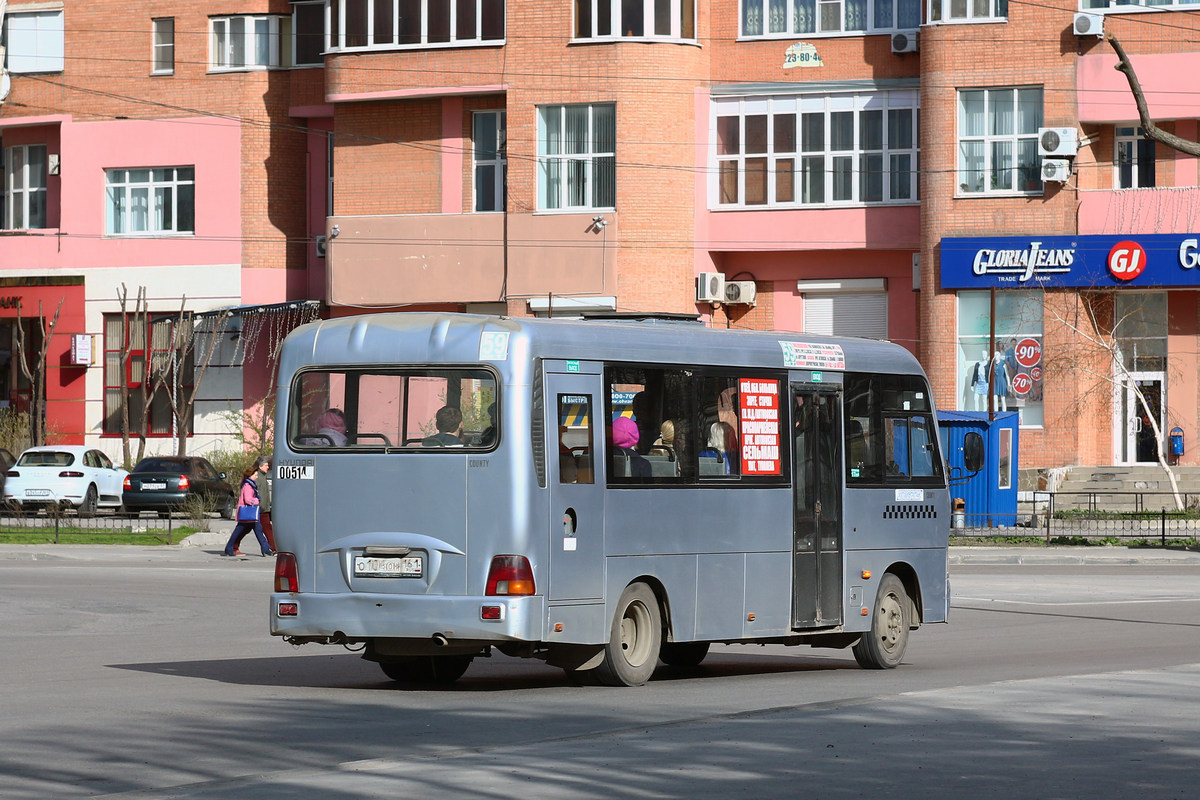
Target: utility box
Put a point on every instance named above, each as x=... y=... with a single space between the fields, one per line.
x=990 y=496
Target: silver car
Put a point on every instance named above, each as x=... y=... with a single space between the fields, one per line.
x=68 y=476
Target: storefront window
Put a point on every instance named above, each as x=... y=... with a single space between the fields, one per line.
x=1011 y=368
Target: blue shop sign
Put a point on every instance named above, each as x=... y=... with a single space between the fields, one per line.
x=1024 y=262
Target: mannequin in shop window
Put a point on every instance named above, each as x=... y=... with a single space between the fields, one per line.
x=1000 y=378
x=979 y=381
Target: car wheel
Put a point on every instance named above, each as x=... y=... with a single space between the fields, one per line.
x=87 y=508
x=229 y=509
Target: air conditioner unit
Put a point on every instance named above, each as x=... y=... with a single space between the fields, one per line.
x=1061 y=142
x=1057 y=170
x=710 y=287
x=1089 y=24
x=904 y=42
x=741 y=292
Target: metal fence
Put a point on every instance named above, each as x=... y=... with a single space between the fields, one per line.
x=1090 y=515
x=66 y=525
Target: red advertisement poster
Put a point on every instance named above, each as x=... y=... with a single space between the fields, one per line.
x=758 y=409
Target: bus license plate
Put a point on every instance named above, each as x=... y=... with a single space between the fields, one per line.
x=392 y=567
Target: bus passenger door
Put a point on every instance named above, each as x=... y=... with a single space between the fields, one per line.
x=817 y=497
x=574 y=473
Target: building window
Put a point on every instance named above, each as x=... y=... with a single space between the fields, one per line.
x=642 y=19
x=577 y=164
x=358 y=24
x=150 y=367
x=164 y=45
x=808 y=150
x=491 y=162
x=997 y=141
x=250 y=42
x=967 y=10
x=151 y=201
x=33 y=41
x=1134 y=159
x=308 y=21
x=1010 y=367
x=25 y=187
x=774 y=19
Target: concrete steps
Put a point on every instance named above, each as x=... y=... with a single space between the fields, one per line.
x=1126 y=488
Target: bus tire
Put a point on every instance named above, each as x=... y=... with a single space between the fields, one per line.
x=683 y=654
x=633 y=644
x=441 y=670
x=883 y=646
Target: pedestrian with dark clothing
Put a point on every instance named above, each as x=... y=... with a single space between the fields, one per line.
x=249 y=511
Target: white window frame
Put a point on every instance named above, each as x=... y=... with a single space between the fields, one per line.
x=958 y=11
x=680 y=19
x=248 y=42
x=1131 y=140
x=787 y=19
x=34 y=40
x=338 y=33
x=162 y=46
x=160 y=185
x=494 y=156
x=320 y=8
x=853 y=161
x=989 y=178
x=555 y=165
x=25 y=187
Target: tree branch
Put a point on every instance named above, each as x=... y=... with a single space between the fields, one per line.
x=1151 y=130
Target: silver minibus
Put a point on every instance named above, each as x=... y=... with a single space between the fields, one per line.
x=602 y=494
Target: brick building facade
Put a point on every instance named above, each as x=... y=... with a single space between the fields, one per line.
x=847 y=162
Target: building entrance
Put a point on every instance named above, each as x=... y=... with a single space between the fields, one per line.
x=1136 y=439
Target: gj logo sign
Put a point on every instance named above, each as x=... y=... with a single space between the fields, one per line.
x=1126 y=260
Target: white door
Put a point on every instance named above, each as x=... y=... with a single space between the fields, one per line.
x=1136 y=441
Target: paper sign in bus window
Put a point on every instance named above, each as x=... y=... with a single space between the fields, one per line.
x=758 y=411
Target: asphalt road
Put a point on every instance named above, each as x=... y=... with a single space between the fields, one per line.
x=142 y=672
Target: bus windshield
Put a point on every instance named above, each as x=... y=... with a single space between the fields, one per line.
x=422 y=409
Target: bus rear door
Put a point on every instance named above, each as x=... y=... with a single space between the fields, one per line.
x=817 y=493
x=574 y=433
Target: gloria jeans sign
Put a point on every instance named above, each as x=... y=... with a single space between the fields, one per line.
x=1030 y=262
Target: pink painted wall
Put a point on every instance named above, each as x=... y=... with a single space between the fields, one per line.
x=1103 y=93
x=88 y=148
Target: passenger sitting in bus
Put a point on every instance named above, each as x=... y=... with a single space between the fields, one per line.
x=331 y=429
x=449 y=423
x=664 y=445
x=488 y=437
x=719 y=436
x=625 y=439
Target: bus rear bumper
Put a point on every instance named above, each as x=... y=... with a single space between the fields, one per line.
x=357 y=616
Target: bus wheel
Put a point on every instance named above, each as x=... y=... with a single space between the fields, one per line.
x=632 y=650
x=883 y=646
x=442 y=670
x=683 y=654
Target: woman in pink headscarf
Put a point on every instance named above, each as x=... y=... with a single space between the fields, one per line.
x=333 y=425
x=624 y=438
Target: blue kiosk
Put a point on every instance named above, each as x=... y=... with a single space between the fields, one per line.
x=990 y=496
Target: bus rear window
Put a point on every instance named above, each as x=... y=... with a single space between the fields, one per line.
x=362 y=409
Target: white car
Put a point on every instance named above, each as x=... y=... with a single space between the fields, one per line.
x=70 y=476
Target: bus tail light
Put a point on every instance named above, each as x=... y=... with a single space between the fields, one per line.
x=510 y=575
x=285 y=573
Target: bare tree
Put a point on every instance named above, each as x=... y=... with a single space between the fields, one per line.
x=182 y=353
x=35 y=373
x=1151 y=130
x=1099 y=355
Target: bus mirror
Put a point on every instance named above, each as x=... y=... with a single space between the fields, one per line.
x=973 y=452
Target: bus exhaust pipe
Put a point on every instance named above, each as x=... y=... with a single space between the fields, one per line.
x=440 y=640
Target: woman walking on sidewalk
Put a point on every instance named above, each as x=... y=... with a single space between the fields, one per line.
x=248 y=511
